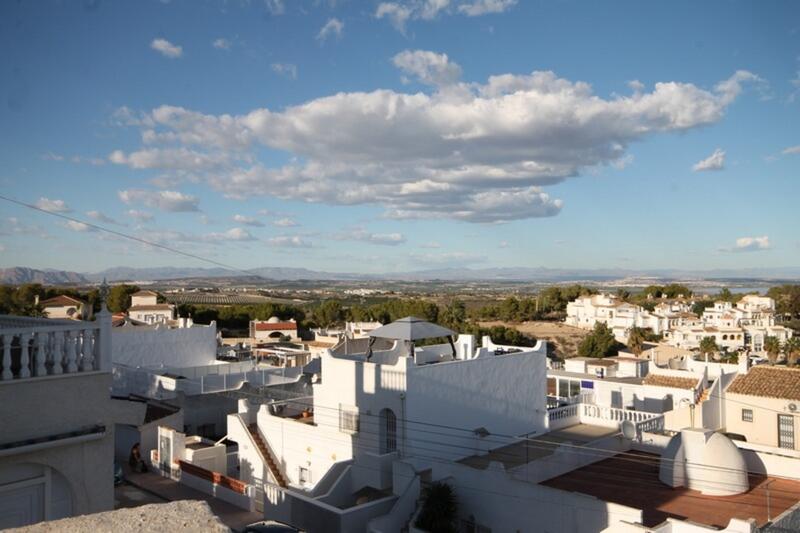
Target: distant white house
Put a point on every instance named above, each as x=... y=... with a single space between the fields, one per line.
x=64 y=306
x=273 y=329
x=145 y=308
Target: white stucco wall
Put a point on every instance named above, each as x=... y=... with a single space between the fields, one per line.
x=161 y=346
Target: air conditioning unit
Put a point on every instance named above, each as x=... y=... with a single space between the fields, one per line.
x=792 y=407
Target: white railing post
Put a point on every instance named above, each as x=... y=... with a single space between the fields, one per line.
x=71 y=339
x=42 y=339
x=7 y=358
x=104 y=350
x=24 y=355
x=87 y=361
x=58 y=352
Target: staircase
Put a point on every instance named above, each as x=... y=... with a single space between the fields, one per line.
x=266 y=455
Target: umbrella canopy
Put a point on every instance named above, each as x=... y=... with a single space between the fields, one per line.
x=410 y=329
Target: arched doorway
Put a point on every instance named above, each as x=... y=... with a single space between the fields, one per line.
x=30 y=493
x=388 y=431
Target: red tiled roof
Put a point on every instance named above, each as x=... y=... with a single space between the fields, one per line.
x=275 y=326
x=768 y=382
x=61 y=300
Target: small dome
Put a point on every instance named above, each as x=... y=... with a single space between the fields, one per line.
x=704 y=460
x=273 y=320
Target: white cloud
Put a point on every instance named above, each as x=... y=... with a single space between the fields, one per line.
x=284 y=223
x=749 y=244
x=466 y=151
x=166 y=48
x=285 y=69
x=791 y=150
x=275 y=7
x=233 y=234
x=359 y=234
x=77 y=226
x=430 y=245
x=289 y=241
x=2 y=248
x=399 y=13
x=429 y=67
x=102 y=217
x=53 y=206
x=221 y=44
x=477 y=8
x=332 y=28
x=248 y=221
x=503 y=244
x=140 y=216
x=50 y=156
x=170 y=201
x=715 y=161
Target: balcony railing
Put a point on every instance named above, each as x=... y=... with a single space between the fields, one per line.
x=38 y=347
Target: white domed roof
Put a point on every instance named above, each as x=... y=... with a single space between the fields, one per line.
x=704 y=460
x=273 y=320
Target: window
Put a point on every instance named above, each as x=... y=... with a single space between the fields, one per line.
x=348 y=420
x=747 y=415
x=388 y=431
x=786 y=432
x=304 y=476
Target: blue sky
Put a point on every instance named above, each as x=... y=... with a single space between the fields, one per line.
x=376 y=137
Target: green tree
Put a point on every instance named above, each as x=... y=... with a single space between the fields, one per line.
x=636 y=339
x=119 y=297
x=708 y=346
x=773 y=348
x=701 y=305
x=599 y=343
x=439 y=513
x=792 y=350
x=328 y=313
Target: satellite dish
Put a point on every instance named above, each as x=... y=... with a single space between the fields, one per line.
x=628 y=429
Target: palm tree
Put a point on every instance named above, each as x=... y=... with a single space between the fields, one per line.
x=708 y=346
x=773 y=348
x=636 y=338
x=792 y=350
x=439 y=509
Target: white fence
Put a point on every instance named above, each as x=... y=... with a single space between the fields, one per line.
x=38 y=347
x=604 y=416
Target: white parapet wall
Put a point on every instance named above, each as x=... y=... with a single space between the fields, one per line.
x=162 y=346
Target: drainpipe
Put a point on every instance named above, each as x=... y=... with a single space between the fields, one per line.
x=403 y=421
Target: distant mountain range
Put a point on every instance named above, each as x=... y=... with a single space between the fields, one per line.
x=17 y=275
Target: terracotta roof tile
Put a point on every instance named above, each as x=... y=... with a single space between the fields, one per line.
x=275 y=326
x=769 y=382
x=676 y=382
x=60 y=300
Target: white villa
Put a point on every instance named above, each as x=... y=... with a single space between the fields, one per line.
x=145 y=308
x=272 y=330
x=64 y=306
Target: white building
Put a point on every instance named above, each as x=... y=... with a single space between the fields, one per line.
x=64 y=306
x=273 y=330
x=57 y=443
x=145 y=308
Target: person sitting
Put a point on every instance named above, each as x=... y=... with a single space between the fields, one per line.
x=135 y=460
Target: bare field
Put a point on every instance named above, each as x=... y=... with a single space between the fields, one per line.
x=564 y=338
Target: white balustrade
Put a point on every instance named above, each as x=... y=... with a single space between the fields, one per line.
x=35 y=347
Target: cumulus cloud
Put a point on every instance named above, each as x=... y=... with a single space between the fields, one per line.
x=170 y=201
x=715 y=161
x=289 y=241
x=102 y=217
x=360 y=234
x=77 y=226
x=791 y=150
x=477 y=8
x=332 y=28
x=140 y=216
x=233 y=234
x=285 y=69
x=275 y=7
x=284 y=222
x=429 y=68
x=248 y=221
x=221 y=44
x=749 y=244
x=53 y=206
x=477 y=152
x=166 y=48
x=399 y=13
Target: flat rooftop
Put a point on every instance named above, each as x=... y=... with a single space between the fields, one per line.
x=525 y=451
x=633 y=481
